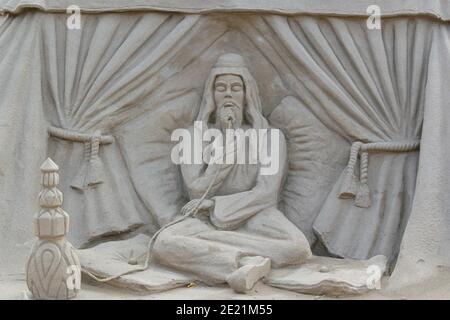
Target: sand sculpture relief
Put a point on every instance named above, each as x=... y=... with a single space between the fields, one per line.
x=300 y=150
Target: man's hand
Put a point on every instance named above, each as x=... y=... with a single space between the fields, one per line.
x=205 y=207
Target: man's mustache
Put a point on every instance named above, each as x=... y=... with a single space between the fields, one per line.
x=228 y=110
x=228 y=104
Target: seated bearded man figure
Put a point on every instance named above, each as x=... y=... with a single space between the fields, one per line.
x=238 y=233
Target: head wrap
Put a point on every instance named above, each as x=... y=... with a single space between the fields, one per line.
x=231 y=63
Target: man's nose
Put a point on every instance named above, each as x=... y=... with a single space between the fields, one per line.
x=228 y=93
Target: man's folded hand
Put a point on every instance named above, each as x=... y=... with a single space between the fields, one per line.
x=204 y=208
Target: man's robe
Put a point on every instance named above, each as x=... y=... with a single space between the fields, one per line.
x=245 y=221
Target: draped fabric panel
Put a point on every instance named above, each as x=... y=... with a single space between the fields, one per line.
x=424 y=256
x=21 y=122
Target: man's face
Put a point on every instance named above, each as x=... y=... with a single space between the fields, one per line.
x=229 y=94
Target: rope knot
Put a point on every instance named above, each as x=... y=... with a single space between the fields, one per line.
x=91 y=172
x=349 y=183
x=351 y=187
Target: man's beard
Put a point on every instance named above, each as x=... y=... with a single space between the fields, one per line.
x=228 y=116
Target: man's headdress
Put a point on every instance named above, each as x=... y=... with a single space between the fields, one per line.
x=231 y=63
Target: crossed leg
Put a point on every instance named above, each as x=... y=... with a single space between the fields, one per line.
x=240 y=257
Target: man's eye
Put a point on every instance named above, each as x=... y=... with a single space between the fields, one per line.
x=236 y=88
x=220 y=88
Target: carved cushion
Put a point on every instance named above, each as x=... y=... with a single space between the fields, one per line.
x=146 y=145
x=316 y=155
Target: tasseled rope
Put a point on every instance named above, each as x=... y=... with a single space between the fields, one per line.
x=350 y=182
x=79 y=181
x=362 y=198
x=95 y=173
x=359 y=190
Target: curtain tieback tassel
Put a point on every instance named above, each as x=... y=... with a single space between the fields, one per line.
x=351 y=187
x=91 y=171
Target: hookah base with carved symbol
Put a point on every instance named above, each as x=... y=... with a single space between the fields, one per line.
x=53 y=270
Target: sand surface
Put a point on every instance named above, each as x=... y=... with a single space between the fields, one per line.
x=13 y=287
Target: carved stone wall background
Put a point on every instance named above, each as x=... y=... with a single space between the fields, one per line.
x=122 y=72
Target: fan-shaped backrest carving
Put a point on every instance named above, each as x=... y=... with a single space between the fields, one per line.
x=316 y=159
